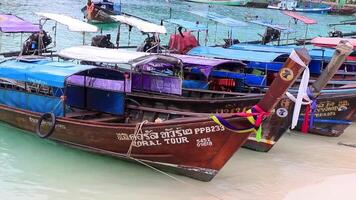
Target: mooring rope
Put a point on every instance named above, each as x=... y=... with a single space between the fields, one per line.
x=174 y=178
x=138 y=129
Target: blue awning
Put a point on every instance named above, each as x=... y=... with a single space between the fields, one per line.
x=219 y=18
x=235 y=54
x=45 y=72
x=325 y=54
x=192 y=26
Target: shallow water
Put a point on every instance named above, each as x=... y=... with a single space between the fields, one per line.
x=35 y=169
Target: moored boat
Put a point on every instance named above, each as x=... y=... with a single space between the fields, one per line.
x=343 y=10
x=11 y=24
x=198 y=100
x=298 y=6
x=101 y=11
x=84 y=107
x=270 y=58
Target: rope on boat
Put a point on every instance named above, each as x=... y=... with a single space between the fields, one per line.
x=347 y=144
x=174 y=178
x=138 y=129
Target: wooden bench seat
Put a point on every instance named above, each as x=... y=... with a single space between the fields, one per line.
x=173 y=112
x=81 y=113
x=106 y=119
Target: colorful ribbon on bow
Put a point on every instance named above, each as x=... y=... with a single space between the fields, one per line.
x=256 y=111
x=310 y=111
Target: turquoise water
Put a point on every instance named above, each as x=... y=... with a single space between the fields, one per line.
x=155 y=10
x=35 y=169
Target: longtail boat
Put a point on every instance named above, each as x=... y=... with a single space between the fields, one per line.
x=270 y=58
x=205 y=101
x=84 y=106
x=101 y=11
x=185 y=100
x=11 y=24
x=40 y=42
x=298 y=6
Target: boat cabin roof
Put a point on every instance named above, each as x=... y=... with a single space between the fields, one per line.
x=40 y=70
x=74 y=25
x=236 y=54
x=189 y=25
x=219 y=18
x=13 y=24
x=331 y=42
x=302 y=18
x=141 y=24
x=314 y=53
x=122 y=56
x=103 y=55
x=273 y=26
x=203 y=61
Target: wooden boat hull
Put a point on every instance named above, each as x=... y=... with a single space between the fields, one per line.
x=274 y=126
x=308 y=10
x=343 y=10
x=256 y=4
x=197 y=147
x=99 y=15
x=333 y=115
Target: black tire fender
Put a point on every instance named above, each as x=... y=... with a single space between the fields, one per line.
x=51 y=129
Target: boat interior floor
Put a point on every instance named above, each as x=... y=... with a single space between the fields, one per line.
x=133 y=114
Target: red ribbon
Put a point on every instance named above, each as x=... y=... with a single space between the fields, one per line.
x=257 y=111
x=305 y=125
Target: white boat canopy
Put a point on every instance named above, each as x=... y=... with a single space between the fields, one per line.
x=103 y=55
x=74 y=25
x=140 y=24
x=219 y=18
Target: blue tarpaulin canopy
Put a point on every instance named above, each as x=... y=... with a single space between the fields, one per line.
x=42 y=71
x=314 y=53
x=219 y=52
x=192 y=26
x=219 y=18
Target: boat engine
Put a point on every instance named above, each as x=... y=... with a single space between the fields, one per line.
x=335 y=33
x=36 y=42
x=102 y=41
x=270 y=35
x=230 y=41
x=150 y=44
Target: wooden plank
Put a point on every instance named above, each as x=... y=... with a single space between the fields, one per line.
x=165 y=111
x=80 y=113
x=105 y=119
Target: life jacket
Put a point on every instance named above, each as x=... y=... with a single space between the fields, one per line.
x=90 y=10
x=225 y=82
x=182 y=43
